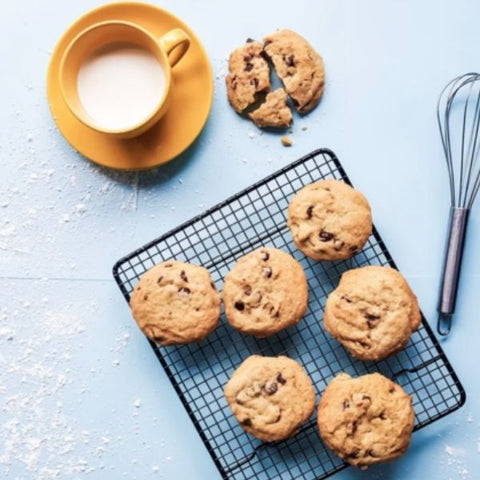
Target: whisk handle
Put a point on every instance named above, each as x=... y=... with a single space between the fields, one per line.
x=457 y=230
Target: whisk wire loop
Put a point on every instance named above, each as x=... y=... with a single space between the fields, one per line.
x=464 y=175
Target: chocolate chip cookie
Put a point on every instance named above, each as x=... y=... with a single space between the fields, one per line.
x=249 y=75
x=270 y=396
x=176 y=302
x=365 y=420
x=265 y=292
x=274 y=112
x=329 y=220
x=299 y=67
x=372 y=312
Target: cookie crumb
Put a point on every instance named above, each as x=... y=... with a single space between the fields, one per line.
x=304 y=128
x=286 y=141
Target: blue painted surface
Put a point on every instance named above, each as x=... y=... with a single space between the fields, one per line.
x=81 y=393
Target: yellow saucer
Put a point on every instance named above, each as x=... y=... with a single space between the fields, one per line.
x=191 y=99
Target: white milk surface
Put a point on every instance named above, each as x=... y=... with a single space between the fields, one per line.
x=120 y=85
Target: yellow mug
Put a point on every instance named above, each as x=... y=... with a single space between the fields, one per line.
x=168 y=51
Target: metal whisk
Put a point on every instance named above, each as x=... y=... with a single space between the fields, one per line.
x=458 y=115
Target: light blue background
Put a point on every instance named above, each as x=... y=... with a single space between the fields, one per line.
x=81 y=393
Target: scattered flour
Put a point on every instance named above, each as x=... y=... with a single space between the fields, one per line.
x=81 y=208
x=456 y=460
x=36 y=430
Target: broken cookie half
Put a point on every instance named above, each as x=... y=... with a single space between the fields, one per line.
x=299 y=67
x=249 y=76
x=274 y=112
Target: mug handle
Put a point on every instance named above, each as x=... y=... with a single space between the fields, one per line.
x=175 y=43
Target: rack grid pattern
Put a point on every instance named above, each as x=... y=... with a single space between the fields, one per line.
x=216 y=239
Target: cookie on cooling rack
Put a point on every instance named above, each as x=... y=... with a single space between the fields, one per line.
x=270 y=396
x=329 y=220
x=175 y=303
x=372 y=312
x=265 y=292
x=365 y=420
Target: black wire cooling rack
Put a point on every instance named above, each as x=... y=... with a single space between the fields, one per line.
x=216 y=239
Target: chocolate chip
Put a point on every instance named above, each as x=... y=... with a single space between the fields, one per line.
x=290 y=61
x=270 y=388
x=239 y=305
x=280 y=379
x=371 y=453
x=344 y=297
x=184 y=290
x=353 y=248
x=139 y=288
x=254 y=82
x=247 y=58
x=345 y=404
x=159 y=280
x=382 y=416
x=267 y=42
x=248 y=67
x=145 y=297
x=354 y=453
x=247 y=422
x=212 y=285
x=392 y=389
x=258 y=297
x=310 y=211
x=249 y=40
x=264 y=256
x=371 y=320
x=267 y=272
x=327 y=189
x=168 y=265
x=325 y=236
x=271 y=308
x=248 y=290
x=183 y=276
x=354 y=427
